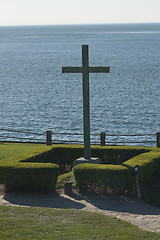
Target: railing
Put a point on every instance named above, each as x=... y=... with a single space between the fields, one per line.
x=10 y=135
x=152 y=139
x=49 y=137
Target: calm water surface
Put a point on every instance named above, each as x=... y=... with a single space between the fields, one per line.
x=35 y=96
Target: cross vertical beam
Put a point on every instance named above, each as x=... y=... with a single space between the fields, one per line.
x=86 y=103
x=85 y=70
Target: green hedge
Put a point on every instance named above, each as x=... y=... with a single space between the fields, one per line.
x=38 y=169
x=149 y=165
x=18 y=174
x=29 y=179
x=101 y=178
x=116 y=155
x=65 y=155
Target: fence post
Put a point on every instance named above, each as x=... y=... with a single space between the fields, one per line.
x=158 y=139
x=48 y=137
x=103 y=138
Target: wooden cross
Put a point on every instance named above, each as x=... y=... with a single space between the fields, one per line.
x=85 y=70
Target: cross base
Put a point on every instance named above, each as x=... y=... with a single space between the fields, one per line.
x=84 y=160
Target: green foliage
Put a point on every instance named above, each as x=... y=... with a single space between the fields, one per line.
x=149 y=165
x=118 y=178
x=18 y=174
x=116 y=155
x=33 y=178
x=36 y=168
x=65 y=155
x=102 y=178
x=153 y=198
x=63 y=178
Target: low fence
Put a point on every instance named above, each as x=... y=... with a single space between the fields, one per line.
x=155 y=139
x=10 y=135
x=49 y=137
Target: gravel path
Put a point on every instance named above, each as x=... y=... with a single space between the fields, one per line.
x=131 y=210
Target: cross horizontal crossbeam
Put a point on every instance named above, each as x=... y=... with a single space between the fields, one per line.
x=85 y=69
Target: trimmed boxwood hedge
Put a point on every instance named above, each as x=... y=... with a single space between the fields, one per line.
x=19 y=174
x=65 y=155
x=115 y=178
x=29 y=179
x=102 y=178
x=149 y=165
x=38 y=170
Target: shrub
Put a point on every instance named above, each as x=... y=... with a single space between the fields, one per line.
x=100 y=178
x=149 y=166
x=19 y=175
x=38 y=170
x=116 y=155
x=65 y=155
x=41 y=179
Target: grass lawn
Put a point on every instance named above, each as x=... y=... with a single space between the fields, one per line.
x=13 y=149
x=44 y=223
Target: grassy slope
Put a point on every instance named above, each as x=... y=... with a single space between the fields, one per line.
x=13 y=149
x=43 y=223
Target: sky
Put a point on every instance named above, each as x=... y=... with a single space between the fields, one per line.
x=51 y=12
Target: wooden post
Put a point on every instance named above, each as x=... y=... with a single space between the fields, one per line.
x=103 y=138
x=158 y=139
x=48 y=137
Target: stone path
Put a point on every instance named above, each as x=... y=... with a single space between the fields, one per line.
x=134 y=211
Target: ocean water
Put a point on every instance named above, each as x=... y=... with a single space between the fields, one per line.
x=35 y=96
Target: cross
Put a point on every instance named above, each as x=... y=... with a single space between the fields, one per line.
x=85 y=70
